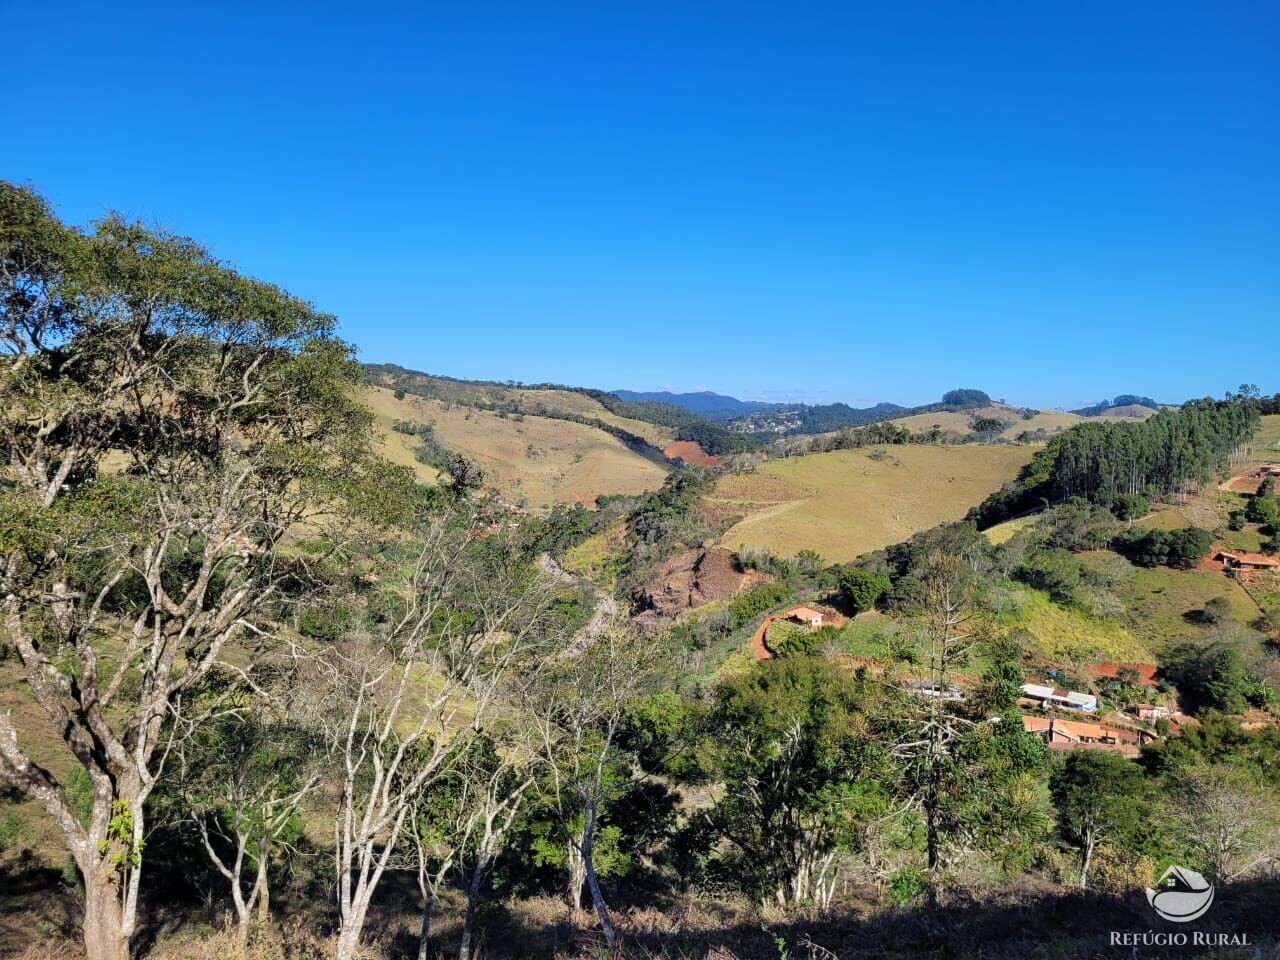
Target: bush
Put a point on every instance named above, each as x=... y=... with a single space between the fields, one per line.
x=1053 y=570
x=861 y=589
x=748 y=606
x=906 y=885
x=1187 y=547
x=1130 y=506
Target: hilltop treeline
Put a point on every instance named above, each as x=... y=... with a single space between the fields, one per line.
x=1123 y=400
x=497 y=398
x=1102 y=461
x=713 y=438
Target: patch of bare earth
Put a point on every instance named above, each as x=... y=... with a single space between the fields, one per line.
x=689 y=580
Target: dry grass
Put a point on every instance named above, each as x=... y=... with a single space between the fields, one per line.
x=847 y=502
x=568 y=401
x=1051 y=421
x=536 y=461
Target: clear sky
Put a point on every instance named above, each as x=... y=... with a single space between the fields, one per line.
x=1054 y=202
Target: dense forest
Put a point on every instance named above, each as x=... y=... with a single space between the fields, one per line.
x=267 y=698
x=1169 y=454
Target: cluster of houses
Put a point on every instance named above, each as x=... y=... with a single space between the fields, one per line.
x=1044 y=698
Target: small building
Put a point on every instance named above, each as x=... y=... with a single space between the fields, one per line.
x=1059 y=698
x=1148 y=711
x=1243 y=560
x=806 y=615
x=1068 y=734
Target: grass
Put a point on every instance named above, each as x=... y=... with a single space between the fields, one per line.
x=1066 y=634
x=1161 y=604
x=533 y=461
x=597 y=557
x=847 y=502
x=1004 y=532
x=1266 y=442
x=569 y=401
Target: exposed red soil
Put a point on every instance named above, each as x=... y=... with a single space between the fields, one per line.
x=691 y=453
x=688 y=580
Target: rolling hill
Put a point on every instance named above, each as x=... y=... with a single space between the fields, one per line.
x=531 y=461
x=848 y=502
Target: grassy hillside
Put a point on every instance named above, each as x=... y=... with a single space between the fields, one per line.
x=1266 y=443
x=1162 y=606
x=579 y=404
x=1050 y=421
x=848 y=502
x=536 y=461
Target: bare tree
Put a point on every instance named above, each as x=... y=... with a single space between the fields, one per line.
x=936 y=722
x=243 y=780
x=576 y=710
x=164 y=422
x=1228 y=818
x=403 y=701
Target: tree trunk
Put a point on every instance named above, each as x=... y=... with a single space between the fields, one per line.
x=424 y=937
x=473 y=898
x=104 y=937
x=577 y=875
x=262 y=887
x=352 y=927
x=1086 y=860
x=593 y=883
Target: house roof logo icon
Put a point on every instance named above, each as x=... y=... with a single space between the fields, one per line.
x=1182 y=895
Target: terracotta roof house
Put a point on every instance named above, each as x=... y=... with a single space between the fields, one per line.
x=1243 y=560
x=1067 y=734
x=1148 y=711
x=806 y=615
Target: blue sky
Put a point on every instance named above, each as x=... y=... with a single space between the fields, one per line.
x=1051 y=201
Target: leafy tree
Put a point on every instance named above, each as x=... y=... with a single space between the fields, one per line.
x=1098 y=799
x=1187 y=547
x=1262 y=510
x=1055 y=571
x=1130 y=506
x=1212 y=678
x=233 y=408
x=804 y=775
x=861 y=589
x=966 y=398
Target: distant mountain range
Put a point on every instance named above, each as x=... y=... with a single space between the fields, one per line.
x=706 y=403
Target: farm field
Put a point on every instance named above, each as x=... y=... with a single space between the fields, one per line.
x=848 y=502
x=532 y=461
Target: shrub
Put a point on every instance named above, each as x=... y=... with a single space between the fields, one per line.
x=748 y=606
x=1130 y=506
x=1187 y=547
x=861 y=589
